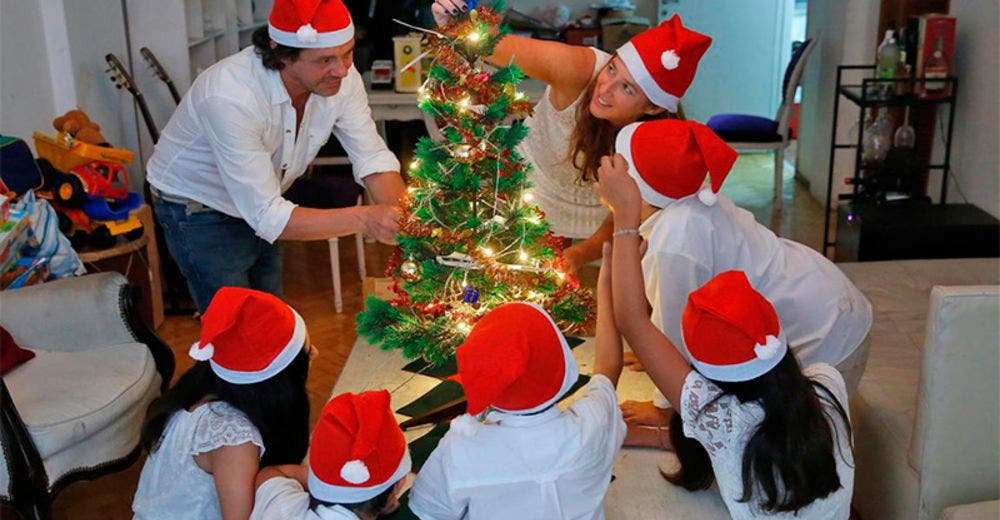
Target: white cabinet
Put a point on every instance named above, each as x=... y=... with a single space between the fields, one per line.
x=187 y=37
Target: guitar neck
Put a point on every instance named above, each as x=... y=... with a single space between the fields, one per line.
x=173 y=90
x=146 y=116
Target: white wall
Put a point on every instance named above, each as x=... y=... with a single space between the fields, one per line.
x=975 y=160
x=52 y=56
x=26 y=98
x=846 y=35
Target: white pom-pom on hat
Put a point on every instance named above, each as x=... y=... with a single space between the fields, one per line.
x=769 y=349
x=307 y=34
x=670 y=59
x=707 y=196
x=355 y=472
x=199 y=353
x=464 y=425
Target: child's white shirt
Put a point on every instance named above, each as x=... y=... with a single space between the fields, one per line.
x=725 y=426
x=172 y=485
x=554 y=464
x=282 y=498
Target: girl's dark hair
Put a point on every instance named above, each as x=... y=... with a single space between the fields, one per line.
x=275 y=58
x=369 y=508
x=278 y=407
x=790 y=458
x=593 y=138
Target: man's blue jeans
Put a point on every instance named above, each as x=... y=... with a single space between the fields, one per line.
x=214 y=250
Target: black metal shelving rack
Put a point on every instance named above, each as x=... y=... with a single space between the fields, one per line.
x=863 y=95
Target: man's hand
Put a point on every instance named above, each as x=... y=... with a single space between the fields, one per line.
x=444 y=9
x=381 y=221
x=617 y=188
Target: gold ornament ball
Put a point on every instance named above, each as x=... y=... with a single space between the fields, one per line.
x=410 y=271
x=463 y=153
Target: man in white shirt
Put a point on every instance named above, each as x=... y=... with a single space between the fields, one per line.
x=247 y=128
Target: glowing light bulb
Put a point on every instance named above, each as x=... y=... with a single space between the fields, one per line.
x=464 y=103
x=464 y=327
x=523 y=256
x=519 y=96
x=561 y=275
x=414 y=164
x=474 y=36
x=534 y=220
x=411 y=189
x=487 y=251
x=528 y=196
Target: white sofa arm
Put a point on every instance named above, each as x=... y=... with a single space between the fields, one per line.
x=954 y=442
x=69 y=314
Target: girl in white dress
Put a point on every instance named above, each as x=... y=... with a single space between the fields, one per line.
x=590 y=95
x=775 y=437
x=242 y=406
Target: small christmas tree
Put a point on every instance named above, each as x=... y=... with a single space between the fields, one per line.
x=470 y=239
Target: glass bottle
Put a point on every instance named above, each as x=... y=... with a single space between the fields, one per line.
x=936 y=68
x=886 y=62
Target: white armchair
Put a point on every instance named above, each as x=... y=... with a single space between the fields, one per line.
x=915 y=459
x=75 y=411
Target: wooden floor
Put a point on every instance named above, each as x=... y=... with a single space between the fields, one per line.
x=308 y=288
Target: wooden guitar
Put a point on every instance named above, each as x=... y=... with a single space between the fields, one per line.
x=122 y=80
x=160 y=72
x=175 y=288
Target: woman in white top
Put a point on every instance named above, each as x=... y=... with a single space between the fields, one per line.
x=244 y=405
x=590 y=94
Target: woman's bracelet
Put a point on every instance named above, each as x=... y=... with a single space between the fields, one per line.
x=625 y=232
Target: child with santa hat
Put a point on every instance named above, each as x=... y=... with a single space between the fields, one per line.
x=654 y=186
x=242 y=405
x=515 y=454
x=776 y=438
x=358 y=461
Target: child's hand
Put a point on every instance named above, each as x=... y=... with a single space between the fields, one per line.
x=444 y=9
x=618 y=190
x=604 y=276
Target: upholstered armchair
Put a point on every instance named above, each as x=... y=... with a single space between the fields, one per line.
x=75 y=410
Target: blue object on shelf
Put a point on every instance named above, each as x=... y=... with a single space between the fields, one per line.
x=101 y=209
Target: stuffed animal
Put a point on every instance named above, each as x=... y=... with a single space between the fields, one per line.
x=76 y=123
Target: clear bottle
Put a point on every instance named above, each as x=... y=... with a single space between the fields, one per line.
x=905 y=137
x=887 y=61
x=936 y=68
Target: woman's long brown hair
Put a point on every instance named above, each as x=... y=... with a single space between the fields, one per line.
x=594 y=138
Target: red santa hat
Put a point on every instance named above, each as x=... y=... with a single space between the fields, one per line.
x=669 y=159
x=248 y=336
x=731 y=331
x=515 y=359
x=310 y=24
x=663 y=60
x=357 y=450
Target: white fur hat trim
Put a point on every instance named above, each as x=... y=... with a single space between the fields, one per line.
x=769 y=349
x=199 y=353
x=670 y=59
x=307 y=34
x=464 y=425
x=355 y=472
x=708 y=197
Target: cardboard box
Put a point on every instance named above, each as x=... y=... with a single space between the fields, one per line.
x=615 y=32
x=586 y=37
x=934 y=28
x=378 y=287
x=407 y=49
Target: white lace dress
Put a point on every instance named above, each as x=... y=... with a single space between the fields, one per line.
x=572 y=209
x=172 y=486
x=724 y=427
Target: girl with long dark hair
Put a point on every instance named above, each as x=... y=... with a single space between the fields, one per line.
x=590 y=95
x=242 y=406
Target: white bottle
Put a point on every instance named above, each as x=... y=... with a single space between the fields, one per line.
x=887 y=60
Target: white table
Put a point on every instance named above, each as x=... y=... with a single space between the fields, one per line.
x=638 y=490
